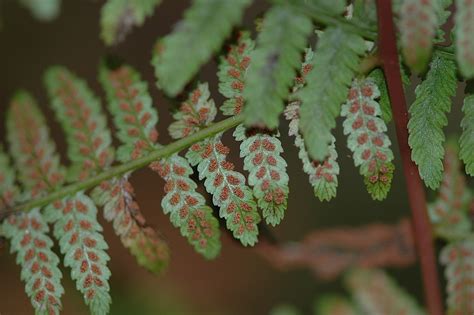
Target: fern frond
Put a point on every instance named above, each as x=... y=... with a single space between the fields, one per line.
x=428 y=117
x=335 y=305
x=274 y=63
x=232 y=73
x=27 y=233
x=131 y=106
x=204 y=27
x=328 y=253
x=449 y=212
x=267 y=172
x=464 y=26
x=44 y=10
x=195 y=113
x=458 y=259
x=79 y=112
x=84 y=248
x=375 y=293
x=334 y=63
x=9 y=192
x=378 y=77
x=466 y=141
x=228 y=188
x=187 y=208
x=31 y=146
x=117 y=198
x=322 y=176
x=418 y=25
x=367 y=137
x=260 y=150
x=118 y=17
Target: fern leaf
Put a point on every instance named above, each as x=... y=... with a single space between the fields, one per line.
x=322 y=176
x=228 y=188
x=335 y=61
x=80 y=114
x=428 y=117
x=118 y=17
x=232 y=73
x=267 y=172
x=260 y=150
x=84 y=248
x=375 y=293
x=187 y=208
x=449 y=212
x=367 y=137
x=27 y=233
x=458 y=259
x=331 y=252
x=204 y=27
x=274 y=61
x=117 y=198
x=418 y=29
x=466 y=141
x=44 y=10
x=464 y=26
x=378 y=77
x=9 y=192
x=31 y=146
x=131 y=106
x=335 y=305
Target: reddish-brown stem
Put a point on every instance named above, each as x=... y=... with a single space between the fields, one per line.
x=416 y=192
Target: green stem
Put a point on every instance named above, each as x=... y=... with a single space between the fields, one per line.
x=133 y=165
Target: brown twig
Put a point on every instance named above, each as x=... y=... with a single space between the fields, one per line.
x=416 y=192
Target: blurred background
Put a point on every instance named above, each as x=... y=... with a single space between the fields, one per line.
x=239 y=281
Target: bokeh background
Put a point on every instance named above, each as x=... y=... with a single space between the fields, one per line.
x=239 y=281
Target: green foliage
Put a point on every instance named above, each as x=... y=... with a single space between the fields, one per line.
x=464 y=26
x=261 y=150
x=267 y=172
x=428 y=117
x=233 y=72
x=136 y=119
x=28 y=237
x=85 y=125
x=131 y=107
x=118 y=200
x=458 y=259
x=322 y=176
x=118 y=17
x=34 y=152
x=418 y=29
x=9 y=192
x=195 y=38
x=448 y=212
x=384 y=101
x=44 y=10
x=466 y=142
x=187 y=208
x=84 y=248
x=335 y=61
x=228 y=188
x=367 y=137
x=375 y=293
x=274 y=61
